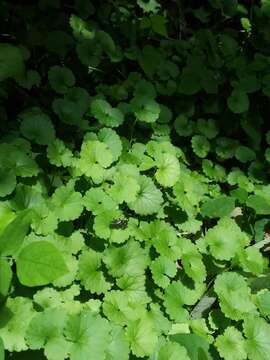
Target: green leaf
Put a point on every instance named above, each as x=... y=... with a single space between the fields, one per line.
x=192 y=262
x=265 y=7
x=267 y=154
x=120 y=309
x=2 y=350
x=237 y=177
x=46 y=331
x=172 y=351
x=108 y=46
x=5 y=278
x=29 y=79
x=60 y=78
x=90 y=273
x=7 y=181
x=81 y=29
x=24 y=165
x=248 y=84
x=164 y=238
x=190 y=82
x=261 y=282
x=73 y=106
x=177 y=295
x=244 y=154
x=228 y=44
x=259 y=204
x=214 y=171
x=106 y=114
x=11 y=61
x=226 y=239
x=67 y=203
x=144 y=88
x=259 y=229
x=95 y=157
x=256 y=171
x=37 y=126
x=16 y=315
x=40 y=263
x=200 y=145
x=256 y=331
x=234 y=295
x=58 y=154
x=238 y=102
x=219 y=207
x=130 y=258
x=89 y=54
x=133 y=288
x=112 y=140
x=148 y=199
x=158 y=23
x=97 y=201
x=11 y=239
x=168 y=170
x=197 y=347
x=165 y=115
x=142 y=337
x=102 y=225
x=162 y=270
x=145 y=109
x=49 y=298
x=208 y=128
x=263 y=302
x=231 y=344
x=149 y=5
x=6 y=215
x=184 y=126
x=124 y=189
x=225 y=147
x=251 y=260
x=118 y=348
x=88 y=335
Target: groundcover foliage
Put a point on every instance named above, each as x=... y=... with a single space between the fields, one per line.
x=134 y=180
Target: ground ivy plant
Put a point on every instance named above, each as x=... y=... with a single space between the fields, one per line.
x=134 y=180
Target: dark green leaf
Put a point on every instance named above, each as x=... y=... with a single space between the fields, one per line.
x=218 y=207
x=238 y=102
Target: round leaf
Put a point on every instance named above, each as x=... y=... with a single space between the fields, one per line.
x=148 y=199
x=106 y=114
x=37 y=126
x=61 y=78
x=145 y=109
x=238 y=102
x=11 y=61
x=244 y=154
x=40 y=263
x=200 y=145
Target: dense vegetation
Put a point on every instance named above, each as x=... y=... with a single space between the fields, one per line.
x=134 y=180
